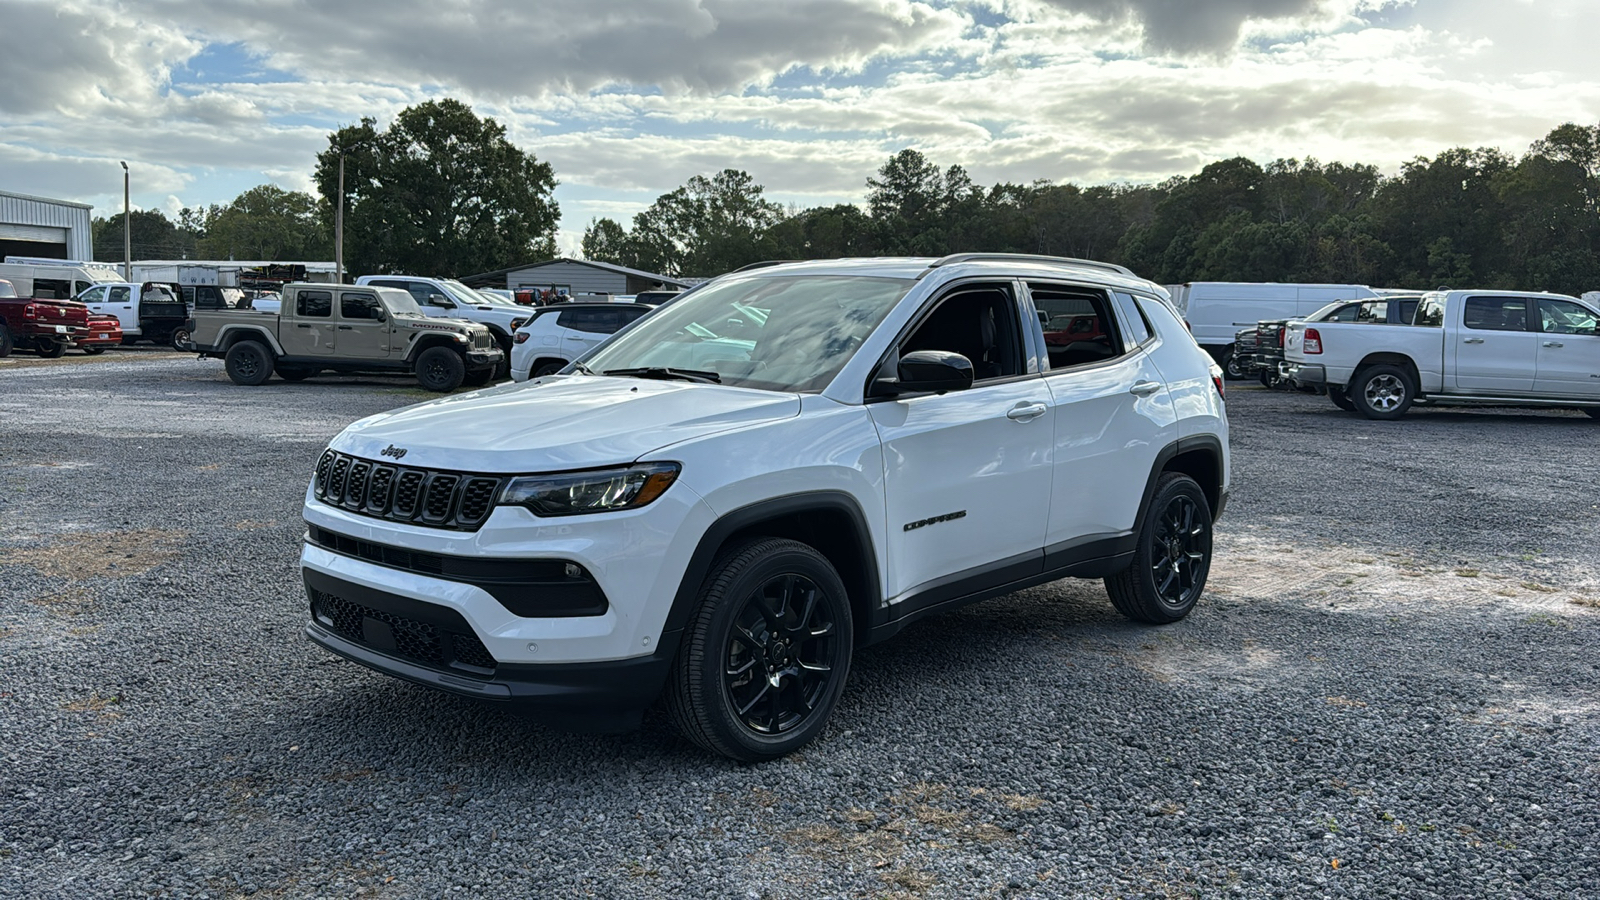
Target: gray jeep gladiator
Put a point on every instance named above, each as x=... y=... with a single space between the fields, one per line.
x=345 y=328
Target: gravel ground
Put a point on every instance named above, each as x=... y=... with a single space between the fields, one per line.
x=1390 y=690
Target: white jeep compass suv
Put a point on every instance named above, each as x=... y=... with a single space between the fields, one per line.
x=724 y=501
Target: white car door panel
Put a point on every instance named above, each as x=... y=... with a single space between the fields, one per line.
x=1569 y=351
x=967 y=480
x=1494 y=352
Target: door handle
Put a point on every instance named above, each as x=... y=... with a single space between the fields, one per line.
x=1145 y=388
x=302 y=325
x=1026 y=412
x=347 y=328
x=574 y=338
x=1554 y=344
x=1473 y=341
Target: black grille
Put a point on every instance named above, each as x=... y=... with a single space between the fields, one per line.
x=454 y=500
x=421 y=642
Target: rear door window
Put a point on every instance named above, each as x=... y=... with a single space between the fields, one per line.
x=590 y=321
x=1079 y=328
x=1496 y=314
x=314 y=304
x=119 y=295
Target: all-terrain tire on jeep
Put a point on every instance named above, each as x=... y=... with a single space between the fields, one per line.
x=1172 y=557
x=767 y=653
x=249 y=363
x=440 y=369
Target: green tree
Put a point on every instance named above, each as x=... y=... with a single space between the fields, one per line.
x=605 y=241
x=707 y=227
x=440 y=192
x=154 y=237
x=267 y=223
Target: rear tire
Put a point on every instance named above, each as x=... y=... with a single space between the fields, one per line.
x=766 y=655
x=1230 y=364
x=1172 y=558
x=1340 y=398
x=547 y=369
x=1383 y=392
x=249 y=363
x=5 y=341
x=440 y=369
x=180 y=339
x=50 y=349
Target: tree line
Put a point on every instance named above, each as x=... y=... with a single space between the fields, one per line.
x=443 y=191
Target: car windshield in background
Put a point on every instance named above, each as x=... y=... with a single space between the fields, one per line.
x=6 y=290
x=779 y=333
x=486 y=297
x=400 y=302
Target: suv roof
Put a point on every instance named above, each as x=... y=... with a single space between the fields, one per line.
x=917 y=267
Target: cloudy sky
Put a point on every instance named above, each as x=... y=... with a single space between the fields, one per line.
x=628 y=98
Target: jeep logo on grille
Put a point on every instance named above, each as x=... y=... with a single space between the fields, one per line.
x=393 y=451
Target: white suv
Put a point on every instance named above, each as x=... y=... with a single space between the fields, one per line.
x=559 y=334
x=723 y=502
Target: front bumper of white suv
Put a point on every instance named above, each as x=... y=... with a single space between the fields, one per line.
x=563 y=616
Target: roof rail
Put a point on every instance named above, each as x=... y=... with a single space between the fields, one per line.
x=765 y=264
x=1028 y=257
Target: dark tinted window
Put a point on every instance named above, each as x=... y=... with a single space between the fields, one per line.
x=1079 y=328
x=118 y=295
x=1350 y=312
x=1496 y=314
x=1135 y=330
x=52 y=289
x=978 y=323
x=313 y=304
x=358 y=306
x=1408 y=311
x=592 y=321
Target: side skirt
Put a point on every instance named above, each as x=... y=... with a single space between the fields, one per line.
x=1094 y=557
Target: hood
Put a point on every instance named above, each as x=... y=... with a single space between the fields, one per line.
x=572 y=422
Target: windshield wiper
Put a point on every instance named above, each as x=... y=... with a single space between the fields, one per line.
x=667 y=374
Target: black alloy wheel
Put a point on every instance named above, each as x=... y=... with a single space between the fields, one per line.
x=248 y=363
x=766 y=655
x=440 y=369
x=780 y=655
x=1172 y=557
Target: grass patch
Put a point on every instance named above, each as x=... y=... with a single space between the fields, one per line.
x=1537 y=587
x=1467 y=573
x=92 y=703
x=99 y=554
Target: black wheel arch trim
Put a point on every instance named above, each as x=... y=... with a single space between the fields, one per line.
x=1204 y=445
x=865 y=598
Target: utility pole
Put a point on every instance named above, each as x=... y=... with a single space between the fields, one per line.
x=127 y=229
x=338 y=226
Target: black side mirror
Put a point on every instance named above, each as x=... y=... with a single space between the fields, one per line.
x=926 y=371
x=440 y=300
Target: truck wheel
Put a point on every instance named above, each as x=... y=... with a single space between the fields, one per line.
x=50 y=349
x=440 y=369
x=1340 y=398
x=1172 y=558
x=249 y=363
x=1383 y=392
x=1230 y=364
x=180 y=339
x=480 y=377
x=767 y=653
x=295 y=373
x=5 y=341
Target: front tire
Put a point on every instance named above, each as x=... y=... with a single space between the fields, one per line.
x=440 y=369
x=1340 y=398
x=249 y=363
x=767 y=653
x=1384 y=392
x=1172 y=558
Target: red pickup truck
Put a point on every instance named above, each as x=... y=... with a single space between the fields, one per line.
x=47 y=327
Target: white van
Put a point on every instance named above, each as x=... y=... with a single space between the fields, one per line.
x=1216 y=310
x=56 y=281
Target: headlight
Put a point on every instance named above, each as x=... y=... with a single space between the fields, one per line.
x=600 y=490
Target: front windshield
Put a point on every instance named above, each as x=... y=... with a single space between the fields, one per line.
x=400 y=302
x=778 y=333
x=463 y=294
x=6 y=290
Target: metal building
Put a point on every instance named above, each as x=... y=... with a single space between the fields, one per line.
x=575 y=277
x=48 y=229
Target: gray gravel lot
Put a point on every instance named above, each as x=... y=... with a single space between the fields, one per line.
x=1390 y=690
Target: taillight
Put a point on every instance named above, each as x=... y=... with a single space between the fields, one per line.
x=520 y=337
x=1312 y=342
x=518 y=322
x=30 y=311
x=1281 y=333
x=1221 y=394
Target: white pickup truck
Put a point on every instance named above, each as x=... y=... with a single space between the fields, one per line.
x=1502 y=348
